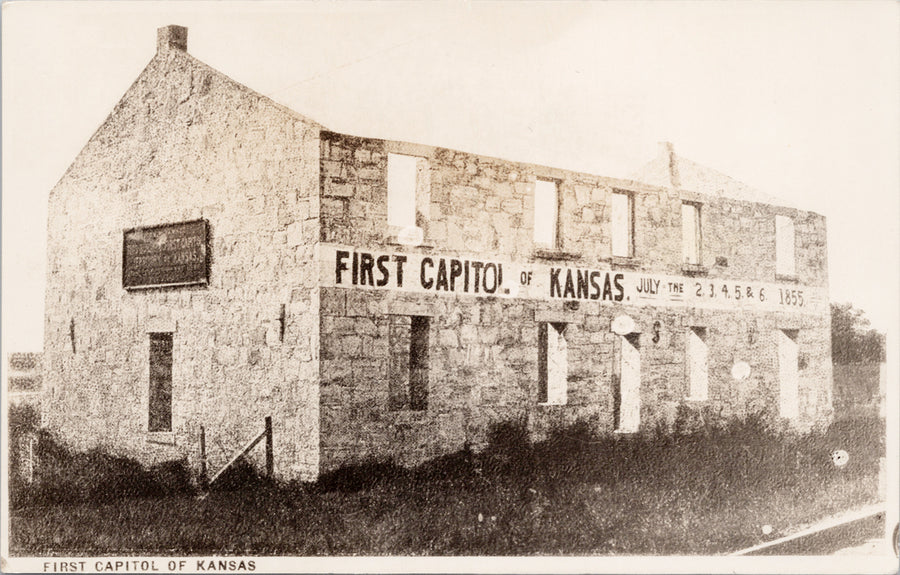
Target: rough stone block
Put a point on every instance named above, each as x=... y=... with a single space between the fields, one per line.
x=334 y=302
x=512 y=206
x=295 y=234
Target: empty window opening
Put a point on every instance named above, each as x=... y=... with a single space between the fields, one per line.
x=698 y=363
x=418 y=362
x=409 y=349
x=627 y=385
x=409 y=201
x=546 y=213
x=160 y=399
x=622 y=209
x=552 y=363
x=690 y=233
x=784 y=246
x=788 y=373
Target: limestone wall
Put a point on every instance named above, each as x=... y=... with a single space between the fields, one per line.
x=185 y=142
x=484 y=356
x=481 y=205
x=484 y=369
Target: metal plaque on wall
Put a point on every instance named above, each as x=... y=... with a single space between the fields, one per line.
x=166 y=255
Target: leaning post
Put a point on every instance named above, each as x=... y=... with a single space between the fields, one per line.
x=204 y=479
x=270 y=452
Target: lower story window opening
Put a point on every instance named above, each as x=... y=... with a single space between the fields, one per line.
x=697 y=364
x=627 y=385
x=552 y=363
x=409 y=373
x=788 y=373
x=160 y=397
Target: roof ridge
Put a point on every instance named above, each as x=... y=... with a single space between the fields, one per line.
x=690 y=174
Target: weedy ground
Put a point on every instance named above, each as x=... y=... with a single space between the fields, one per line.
x=705 y=492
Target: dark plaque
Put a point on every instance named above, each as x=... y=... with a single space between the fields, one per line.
x=167 y=255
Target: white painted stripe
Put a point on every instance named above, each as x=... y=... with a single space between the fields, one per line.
x=382 y=269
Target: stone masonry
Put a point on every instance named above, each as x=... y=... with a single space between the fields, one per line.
x=273 y=334
x=186 y=142
x=484 y=350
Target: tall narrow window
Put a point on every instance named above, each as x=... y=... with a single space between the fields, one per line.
x=627 y=392
x=784 y=246
x=690 y=233
x=788 y=374
x=698 y=363
x=622 y=210
x=418 y=362
x=160 y=398
x=408 y=200
x=552 y=363
x=408 y=380
x=546 y=213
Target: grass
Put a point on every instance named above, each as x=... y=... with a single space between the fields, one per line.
x=704 y=492
x=66 y=477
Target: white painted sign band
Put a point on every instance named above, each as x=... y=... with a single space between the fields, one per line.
x=351 y=267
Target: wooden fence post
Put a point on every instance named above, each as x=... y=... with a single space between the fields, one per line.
x=204 y=479
x=270 y=455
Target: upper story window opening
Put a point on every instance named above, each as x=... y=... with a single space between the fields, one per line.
x=622 y=218
x=408 y=201
x=690 y=233
x=546 y=213
x=785 y=261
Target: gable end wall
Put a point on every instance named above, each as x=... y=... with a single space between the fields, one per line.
x=186 y=142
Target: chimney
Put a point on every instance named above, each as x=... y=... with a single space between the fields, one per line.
x=667 y=152
x=171 y=37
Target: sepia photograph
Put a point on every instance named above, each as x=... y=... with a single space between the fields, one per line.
x=468 y=287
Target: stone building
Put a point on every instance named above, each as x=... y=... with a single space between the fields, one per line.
x=215 y=258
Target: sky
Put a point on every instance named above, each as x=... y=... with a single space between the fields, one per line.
x=797 y=99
